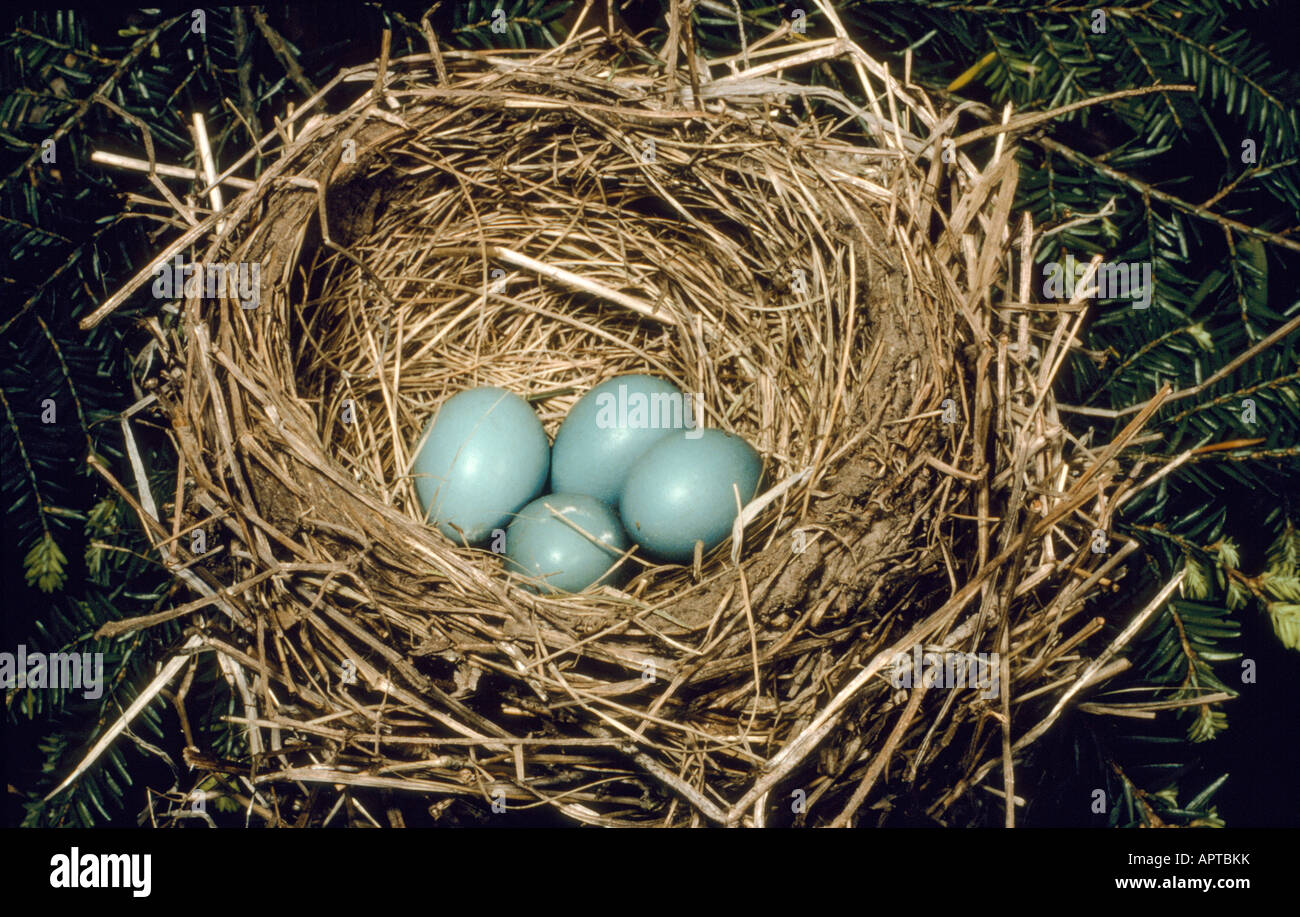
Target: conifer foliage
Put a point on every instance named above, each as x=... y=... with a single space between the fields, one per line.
x=1203 y=186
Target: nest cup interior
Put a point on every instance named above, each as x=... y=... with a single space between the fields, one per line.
x=732 y=278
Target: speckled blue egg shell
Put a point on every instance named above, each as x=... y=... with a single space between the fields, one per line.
x=485 y=456
x=680 y=492
x=555 y=555
x=607 y=431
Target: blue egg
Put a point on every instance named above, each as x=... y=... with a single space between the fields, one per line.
x=680 y=492
x=484 y=456
x=610 y=428
x=546 y=548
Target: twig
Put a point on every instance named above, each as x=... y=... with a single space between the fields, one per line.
x=209 y=167
x=1024 y=122
x=162 y=168
x=105 y=90
x=282 y=51
x=1090 y=674
x=1173 y=200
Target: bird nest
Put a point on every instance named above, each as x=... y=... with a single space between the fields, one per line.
x=832 y=282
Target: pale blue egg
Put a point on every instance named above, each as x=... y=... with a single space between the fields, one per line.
x=547 y=549
x=485 y=456
x=680 y=492
x=609 y=429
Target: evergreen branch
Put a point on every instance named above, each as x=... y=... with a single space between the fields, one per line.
x=39 y=230
x=1137 y=356
x=72 y=387
x=1151 y=75
x=999 y=9
x=105 y=89
x=62 y=46
x=1209 y=53
x=1279 y=382
x=284 y=53
x=1203 y=727
x=31 y=472
x=1260 y=455
x=1259 y=171
x=1226 y=370
x=1238 y=284
x=74 y=258
x=1150 y=191
x=1186 y=545
x=1135 y=792
x=1024 y=122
